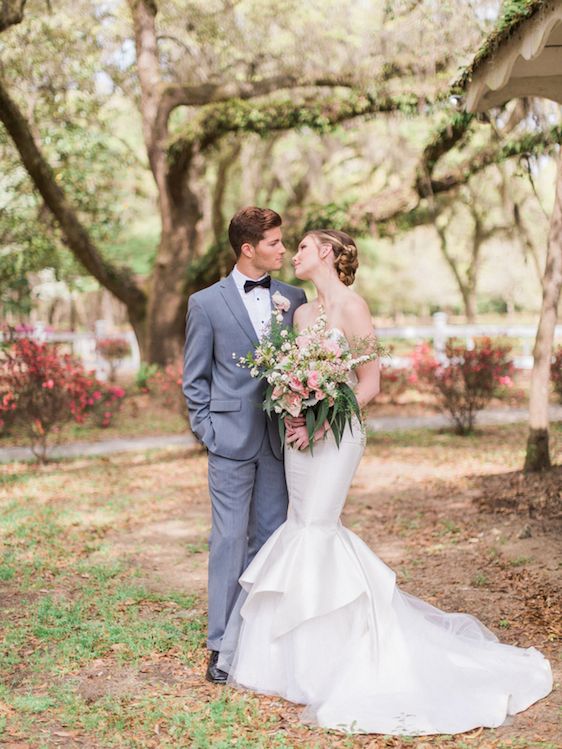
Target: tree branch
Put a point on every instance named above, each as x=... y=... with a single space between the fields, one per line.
x=119 y=282
x=11 y=13
x=174 y=95
x=226 y=160
x=524 y=144
x=237 y=115
x=401 y=209
x=148 y=67
x=446 y=137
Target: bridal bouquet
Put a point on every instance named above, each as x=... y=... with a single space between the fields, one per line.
x=308 y=374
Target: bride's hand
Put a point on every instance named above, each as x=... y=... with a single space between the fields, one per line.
x=320 y=433
x=298 y=437
x=292 y=422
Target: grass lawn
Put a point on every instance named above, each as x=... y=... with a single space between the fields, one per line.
x=103 y=576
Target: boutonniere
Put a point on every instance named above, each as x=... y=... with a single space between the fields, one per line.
x=281 y=302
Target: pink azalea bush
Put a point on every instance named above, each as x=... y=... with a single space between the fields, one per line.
x=164 y=384
x=466 y=380
x=395 y=382
x=113 y=350
x=41 y=390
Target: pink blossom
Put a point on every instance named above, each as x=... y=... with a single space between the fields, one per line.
x=313 y=379
x=292 y=403
x=332 y=347
x=297 y=385
x=277 y=392
x=303 y=341
x=96 y=395
x=281 y=302
x=319 y=395
x=49 y=384
x=506 y=380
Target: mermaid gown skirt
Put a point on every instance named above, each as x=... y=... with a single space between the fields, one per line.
x=321 y=622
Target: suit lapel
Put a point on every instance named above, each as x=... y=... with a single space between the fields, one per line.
x=232 y=298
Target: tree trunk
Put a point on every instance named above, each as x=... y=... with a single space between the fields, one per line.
x=467 y=288
x=470 y=305
x=538 y=455
x=167 y=303
x=181 y=243
x=179 y=183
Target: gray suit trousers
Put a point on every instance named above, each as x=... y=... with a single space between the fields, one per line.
x=249 y=501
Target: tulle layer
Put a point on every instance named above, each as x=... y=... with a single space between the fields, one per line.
x=323 y=623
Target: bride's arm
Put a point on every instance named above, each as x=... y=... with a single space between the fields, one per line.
x=360 y=326
x=298 y=317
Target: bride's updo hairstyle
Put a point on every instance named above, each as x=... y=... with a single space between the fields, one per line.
x=345 y=252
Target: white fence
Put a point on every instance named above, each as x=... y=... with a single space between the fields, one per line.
x=441 y=330
x=83 y=345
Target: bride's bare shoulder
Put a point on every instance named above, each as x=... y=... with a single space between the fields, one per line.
x=353 y=303
x=355 y=315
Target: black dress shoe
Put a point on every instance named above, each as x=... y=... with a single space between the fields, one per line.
x=214 y=674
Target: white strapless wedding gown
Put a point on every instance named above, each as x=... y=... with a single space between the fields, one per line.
x=322 y=622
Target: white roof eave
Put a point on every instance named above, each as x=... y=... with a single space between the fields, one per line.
x=494 y=82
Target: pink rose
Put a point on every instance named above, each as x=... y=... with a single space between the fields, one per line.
x=298 y=386
x=277 y=392
x=319 y=395
x=313 y=379
x=332 y=347
x=292 y=403
x=507 y=381
x=303 y=341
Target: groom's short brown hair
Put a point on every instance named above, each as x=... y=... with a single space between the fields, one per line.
x=249 y=225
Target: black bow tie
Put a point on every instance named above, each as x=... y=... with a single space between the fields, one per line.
x=265 y=282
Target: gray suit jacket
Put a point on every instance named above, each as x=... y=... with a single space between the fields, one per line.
x=224 y=401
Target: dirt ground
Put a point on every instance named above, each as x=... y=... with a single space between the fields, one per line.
x=464 y=533
x=455 y=518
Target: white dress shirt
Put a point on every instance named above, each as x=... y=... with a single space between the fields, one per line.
x=257 y=302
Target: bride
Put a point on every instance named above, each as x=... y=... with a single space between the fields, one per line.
x=321 y=620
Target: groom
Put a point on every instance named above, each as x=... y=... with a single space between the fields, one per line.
x=246 y=476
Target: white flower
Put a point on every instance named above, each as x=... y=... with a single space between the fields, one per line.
x=284 y=333
x=281 y=302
